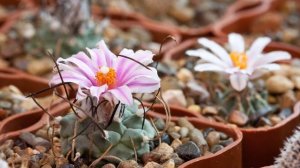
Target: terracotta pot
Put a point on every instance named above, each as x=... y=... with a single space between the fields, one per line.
x=230 y=156
x=33 y=119
x=260 y=145
x=241 y=21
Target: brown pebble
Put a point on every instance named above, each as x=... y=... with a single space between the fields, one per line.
x=183 y=122
x=238 y=118
x=209 y=110
x=175 y=143
x=153 y=165
x=213 y=138
x=109 y=165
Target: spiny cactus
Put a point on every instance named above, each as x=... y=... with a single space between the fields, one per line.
x=121 y=133
x=290 y=154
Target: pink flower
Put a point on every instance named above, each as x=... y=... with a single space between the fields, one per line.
x=240 y=64
x=105 y=76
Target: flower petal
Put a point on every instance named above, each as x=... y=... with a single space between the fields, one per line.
x=238 y=81
x=272 y=57
x=257 y=48
x=109 y=56
x=96 y=91
x=206 y=56
x=236 y=42
x=208 y=67
x=270 y=67
x=217 y=49
x=98 y=57
x=70 y=77
x=143 y=56
x=123 y=94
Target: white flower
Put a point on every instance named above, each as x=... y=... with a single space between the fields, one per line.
x=239 y=63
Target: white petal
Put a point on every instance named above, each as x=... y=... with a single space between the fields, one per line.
x=270 y=67
x=272 y=57
x=206 y=56
x=96 y=91
x=217 y=49
x=208 y=67
x=257 y=48
x=236 y=42
x=238 y=81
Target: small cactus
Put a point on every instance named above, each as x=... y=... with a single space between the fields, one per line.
x=290 y=154
x=122 y=134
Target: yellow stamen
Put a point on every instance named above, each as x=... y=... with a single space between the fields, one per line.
x=106 y=76
x=239 y=59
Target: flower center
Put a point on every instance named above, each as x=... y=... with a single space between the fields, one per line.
x=239 y=59
x=106 y=75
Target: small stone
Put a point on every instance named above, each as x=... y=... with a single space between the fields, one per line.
x=164 y=138
x=164 y=149
x=206 y=131
x=188 y=151
x=226 y=142
x=153 y=165
x=151 y=156
x=194 y=108
x=296 y=81
x=177 y=128
x=160 y=124
x=284 y=113
x=178 y=161
x=170 y=83
x=272 y=99
x=197 y=137
x=41 y=149
x=238 y=118
x=47 y=166
x=213 y=138
x=209 y=110
x=169 y=164
x=184 y=131
x=175 y=135
x=40 y=67
x=175 y=143
x=216 y=148
x=223 y=136
x=184 y=122
x=288 y=99
x=109 y=165
x=185 y=75
x=197 y=90
x=128 y=164
x=263 y=121
x=67 y=166
x=175 y=97
x=279 y=84
x=275 y=119
x=34 y=141
x=182 y=14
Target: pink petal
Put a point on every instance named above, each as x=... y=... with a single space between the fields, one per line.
x=98 y=57
x=70 y=77
x=144 y=84
x=85 y=59
x=143 y=56
x=238 y=81
x=236 y=42
x=96 y=91
x=123 y=94
x=109 y=56
x=217 y=49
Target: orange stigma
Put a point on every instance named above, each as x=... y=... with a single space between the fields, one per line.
x=107 y=76
x=239 y=59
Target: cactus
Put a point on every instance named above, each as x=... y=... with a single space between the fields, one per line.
x=290 y=154
x=120 y=134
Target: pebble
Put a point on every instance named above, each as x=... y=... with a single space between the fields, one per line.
x=216 y=148
x=109 y=165
x=178 y=161
x=175 y=143
x=196 y=90
x=160 y=124
x=188 y=151
x=128 y=164
x=169 y=164
x=209 y=110
x=185 y=75
x=206 y=131
x=223 y=136
x=164 y=138
x=279 y=84
x=164 y=149
x=296 y=81
x=175 y=135
x=238 y=118
x=170 y=83
x=213 y=138
x=226 y=142
x=284 y=113
x=151 y=156
x=34 y=141
x=197 y=137
x=263 y=121
x=174 y=97
x=275 y=119
x=194 y=108
x=40 y=66
x=153 y=165
x=288 y=99
x=184 y=131
x=184 y=122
